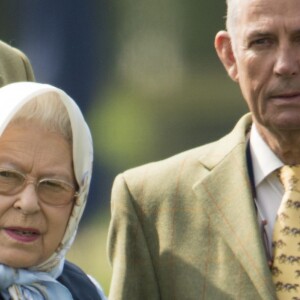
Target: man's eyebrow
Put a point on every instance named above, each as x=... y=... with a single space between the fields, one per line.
x=258 y=33
x=261 y=32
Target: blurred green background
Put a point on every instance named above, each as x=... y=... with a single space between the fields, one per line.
x=146 y=76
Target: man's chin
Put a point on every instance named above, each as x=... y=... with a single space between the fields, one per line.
x=283 y=122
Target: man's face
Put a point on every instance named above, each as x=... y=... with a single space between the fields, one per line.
x=267 y=61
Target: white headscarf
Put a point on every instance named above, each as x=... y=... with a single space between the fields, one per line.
x=39 y=282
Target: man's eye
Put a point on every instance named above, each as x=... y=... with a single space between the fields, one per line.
x=261 y=42
x=297 y=39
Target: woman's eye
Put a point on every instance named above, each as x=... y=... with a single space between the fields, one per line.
x=8 y=174
x=52 y=185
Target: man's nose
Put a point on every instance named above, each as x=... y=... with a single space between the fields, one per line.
x=27 y=201
x=287 y=61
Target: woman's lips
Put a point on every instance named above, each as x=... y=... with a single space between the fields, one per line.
x=20 y=234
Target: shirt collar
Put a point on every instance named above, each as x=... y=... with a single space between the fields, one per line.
x=264 y=160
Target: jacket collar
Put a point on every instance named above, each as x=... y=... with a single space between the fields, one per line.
x=226 y=191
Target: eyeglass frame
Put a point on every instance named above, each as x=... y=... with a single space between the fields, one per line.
x=26 y=179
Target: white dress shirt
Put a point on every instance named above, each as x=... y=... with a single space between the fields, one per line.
x=269 y=190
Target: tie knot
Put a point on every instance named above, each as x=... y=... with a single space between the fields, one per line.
x=290 y=177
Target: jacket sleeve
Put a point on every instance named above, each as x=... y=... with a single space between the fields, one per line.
x=133 y=275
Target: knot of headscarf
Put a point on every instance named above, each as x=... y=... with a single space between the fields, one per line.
x=20 y=284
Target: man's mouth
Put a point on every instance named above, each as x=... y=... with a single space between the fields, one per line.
x=286 y=95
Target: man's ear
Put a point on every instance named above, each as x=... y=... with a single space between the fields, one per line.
x=224 y=50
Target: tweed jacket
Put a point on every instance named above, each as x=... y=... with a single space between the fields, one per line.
x=186 y=228
x=14 y=65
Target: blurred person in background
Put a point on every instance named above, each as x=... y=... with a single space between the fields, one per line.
x=200 y=225
x=46 y=156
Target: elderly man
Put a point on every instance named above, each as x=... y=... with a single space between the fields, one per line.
x=14 y=65
x=215 y=222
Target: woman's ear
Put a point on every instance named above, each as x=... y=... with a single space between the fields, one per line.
x=224 y=50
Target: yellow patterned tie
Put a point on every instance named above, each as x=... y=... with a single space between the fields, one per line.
x=286 y=237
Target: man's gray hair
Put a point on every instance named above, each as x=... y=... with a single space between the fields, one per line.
x=231 y=19
x=231 y=15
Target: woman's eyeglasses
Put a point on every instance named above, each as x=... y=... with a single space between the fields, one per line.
x=51 y=191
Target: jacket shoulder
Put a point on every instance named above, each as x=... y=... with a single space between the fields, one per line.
x=186 y=167
x=161 y=178
x=14 y=65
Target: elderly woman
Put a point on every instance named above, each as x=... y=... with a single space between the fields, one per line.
x=45 y=171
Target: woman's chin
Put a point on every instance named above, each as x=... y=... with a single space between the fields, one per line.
x=18 y=259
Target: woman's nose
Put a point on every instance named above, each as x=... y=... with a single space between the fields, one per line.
x=27 y=201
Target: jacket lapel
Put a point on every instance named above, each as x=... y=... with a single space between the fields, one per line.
x=227 y=197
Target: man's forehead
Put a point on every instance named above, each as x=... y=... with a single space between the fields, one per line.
x=284 y=7
x=257 y=18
